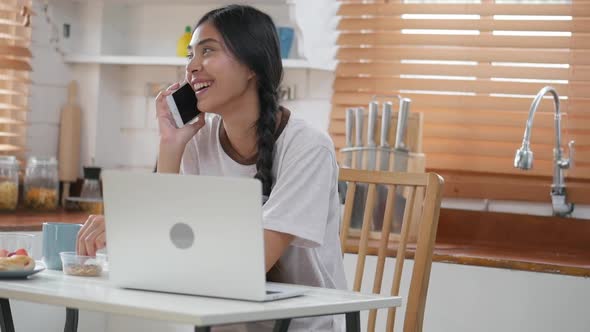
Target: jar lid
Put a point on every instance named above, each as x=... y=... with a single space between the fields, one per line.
x=9 y=161
x=92 y=173
x=51 y=161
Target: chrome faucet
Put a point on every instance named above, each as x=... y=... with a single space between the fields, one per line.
x=524 y=156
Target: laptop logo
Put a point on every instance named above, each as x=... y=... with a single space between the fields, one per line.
x=182 y=236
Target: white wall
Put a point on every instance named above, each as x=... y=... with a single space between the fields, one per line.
x=48 y=92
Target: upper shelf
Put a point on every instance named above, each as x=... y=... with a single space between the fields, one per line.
x=166 y=61
x=145 y=32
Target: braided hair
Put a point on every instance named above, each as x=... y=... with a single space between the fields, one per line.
x=251 y=36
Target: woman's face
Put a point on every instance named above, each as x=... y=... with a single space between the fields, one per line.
x=213 y=72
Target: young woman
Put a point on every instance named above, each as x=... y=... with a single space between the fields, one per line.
x=235 y=69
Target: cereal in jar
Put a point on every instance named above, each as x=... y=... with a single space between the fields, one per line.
x=8 y=183
x=41 y=184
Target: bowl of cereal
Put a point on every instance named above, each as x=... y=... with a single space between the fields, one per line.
x=82 y=266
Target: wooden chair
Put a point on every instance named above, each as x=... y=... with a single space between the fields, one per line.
x=422 y=209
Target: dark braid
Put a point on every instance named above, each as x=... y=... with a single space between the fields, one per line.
x=265 y=128
x=252 y=37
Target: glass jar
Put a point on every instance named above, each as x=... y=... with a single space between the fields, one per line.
x=91 y=185
x=41 y=184
x=8 y=183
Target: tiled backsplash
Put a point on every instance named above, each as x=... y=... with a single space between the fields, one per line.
x=48 y=93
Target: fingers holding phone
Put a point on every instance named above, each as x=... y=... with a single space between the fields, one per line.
x=176 y=109
x=165 y=119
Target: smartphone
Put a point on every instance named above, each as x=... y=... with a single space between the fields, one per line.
x=183 y=105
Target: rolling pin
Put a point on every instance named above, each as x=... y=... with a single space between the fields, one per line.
x=69 y=141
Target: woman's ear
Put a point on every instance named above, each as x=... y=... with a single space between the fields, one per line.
x=251 y=74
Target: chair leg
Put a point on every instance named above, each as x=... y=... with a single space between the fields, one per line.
x=353 y=321
x=202 y=329
x=6 y=324
x=71 y=320
x=282 y=325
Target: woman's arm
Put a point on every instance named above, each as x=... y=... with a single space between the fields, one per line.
x=297 y=211
x=275 y=244
x=169 y=157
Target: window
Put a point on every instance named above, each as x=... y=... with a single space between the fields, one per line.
x=472 y=68
x=15 y=40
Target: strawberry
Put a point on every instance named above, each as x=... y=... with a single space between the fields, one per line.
x=4 y=253
x=21 y=252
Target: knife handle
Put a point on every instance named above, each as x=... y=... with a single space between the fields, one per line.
x=359 y=136
x=373 y=110
x=349 y=123
x=385 y=122
x=359 y=126
x=402 y=119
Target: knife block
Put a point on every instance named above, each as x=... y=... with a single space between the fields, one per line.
x=413 y=134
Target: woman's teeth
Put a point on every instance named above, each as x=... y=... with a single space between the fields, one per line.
x=201 y=85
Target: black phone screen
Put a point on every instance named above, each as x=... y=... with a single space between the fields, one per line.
x=186 y=102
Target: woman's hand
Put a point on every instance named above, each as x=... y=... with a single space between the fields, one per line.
x=169 y=134
x=91 y=237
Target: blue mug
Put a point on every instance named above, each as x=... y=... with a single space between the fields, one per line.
x=58 y=237
x=286 y=35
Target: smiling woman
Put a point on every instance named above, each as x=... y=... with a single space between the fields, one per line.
x=15 y=40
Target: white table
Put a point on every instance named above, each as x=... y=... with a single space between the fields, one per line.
x=96 y=294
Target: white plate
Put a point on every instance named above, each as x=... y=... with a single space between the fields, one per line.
x=22 y=274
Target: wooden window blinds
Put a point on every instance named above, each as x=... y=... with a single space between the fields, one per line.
x=15 y=55
x=472 y=68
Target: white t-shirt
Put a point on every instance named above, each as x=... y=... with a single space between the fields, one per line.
x=303 y=202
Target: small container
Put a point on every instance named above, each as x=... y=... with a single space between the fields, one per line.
x=286 y=35
x=11 y=242
x=41 y=184
x=91 y=185
x=88 y=205
x=8 y=183
x=105 y=259
x=183 y=42
x=82 y=266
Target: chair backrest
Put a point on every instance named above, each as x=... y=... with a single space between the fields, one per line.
x=422 y=205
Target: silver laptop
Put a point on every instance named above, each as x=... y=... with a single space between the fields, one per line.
x=198 y=235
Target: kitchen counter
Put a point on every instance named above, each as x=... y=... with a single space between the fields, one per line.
x=568 y=263
x=505 y=240
x=501 y=240
x=23 y=220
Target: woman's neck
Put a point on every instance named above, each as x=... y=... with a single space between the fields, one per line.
x=239 y=122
